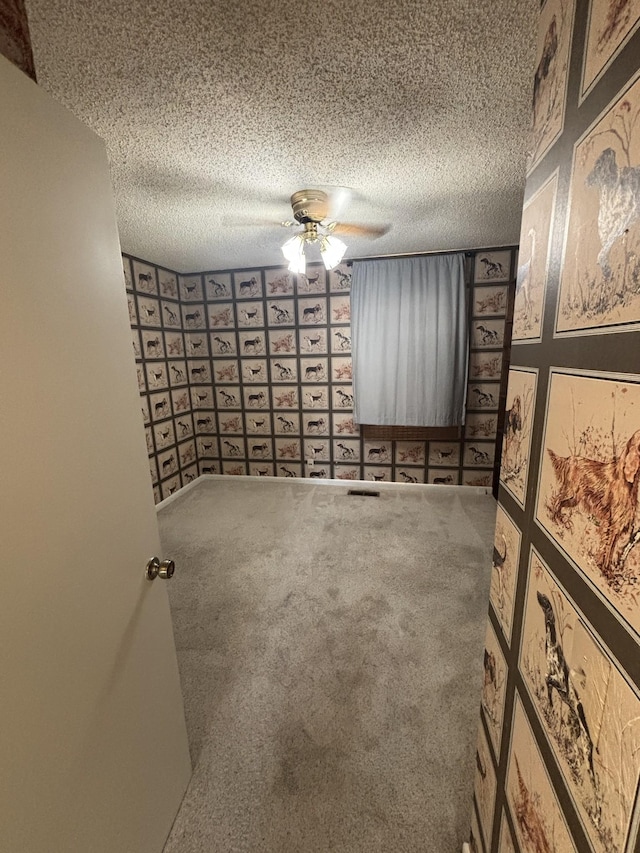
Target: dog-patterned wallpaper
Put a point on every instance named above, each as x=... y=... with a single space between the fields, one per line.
x=249 y=372
x=558 y=756
x=167 y=388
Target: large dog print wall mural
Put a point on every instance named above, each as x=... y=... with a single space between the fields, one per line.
x=589 y=482
x=600 y=279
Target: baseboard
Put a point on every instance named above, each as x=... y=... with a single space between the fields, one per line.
x=478 y=490
x=179 y=493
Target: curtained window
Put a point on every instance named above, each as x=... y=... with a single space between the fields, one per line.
x=409 y=341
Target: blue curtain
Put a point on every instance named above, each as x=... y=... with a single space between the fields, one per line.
x=409 y=341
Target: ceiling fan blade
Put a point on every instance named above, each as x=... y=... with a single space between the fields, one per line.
x=339 y=200
x=350 y=229
x=243 y=221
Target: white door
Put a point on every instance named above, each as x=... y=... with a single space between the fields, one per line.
x=93 y=747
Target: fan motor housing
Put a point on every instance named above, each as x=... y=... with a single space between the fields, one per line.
x=309 y=206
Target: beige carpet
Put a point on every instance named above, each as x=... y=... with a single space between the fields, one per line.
x=330 y=650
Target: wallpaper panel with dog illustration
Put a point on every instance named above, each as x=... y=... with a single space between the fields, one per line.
x=549 y=98
x=600 y=279
x=610 y=27
x=596 y=440
x=533 y=263
x=540 y=823
x=594 y=723
x=560 y=708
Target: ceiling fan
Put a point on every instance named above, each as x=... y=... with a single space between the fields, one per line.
x=312 y=209
x=318 y=211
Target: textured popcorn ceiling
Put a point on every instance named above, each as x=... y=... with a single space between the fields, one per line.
x=216 y=111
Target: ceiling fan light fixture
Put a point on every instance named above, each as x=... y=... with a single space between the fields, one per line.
x=332 y=250
x=310 y=209
x=293 y=250
x=292 y=247
x=298 y=266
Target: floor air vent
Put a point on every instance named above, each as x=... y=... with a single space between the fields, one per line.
x=364 y=493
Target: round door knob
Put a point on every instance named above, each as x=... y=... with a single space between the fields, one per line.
x=156 y=569
x=166 y=570
x=151 y=572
